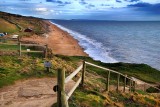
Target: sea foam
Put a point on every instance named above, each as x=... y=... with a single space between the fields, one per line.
x=95 y=49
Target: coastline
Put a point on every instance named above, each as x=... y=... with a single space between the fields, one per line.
x=61 y=42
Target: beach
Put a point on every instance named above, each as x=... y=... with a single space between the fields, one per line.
x=59 y=41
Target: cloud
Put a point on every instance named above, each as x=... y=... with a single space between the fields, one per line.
x=105 y=5
x=132 y=0
x=83 y=2
x=82 y=8
x=24 y=0
x=41 y=9
x=54 y=1
x=119 y=1
x=61 y=3
x=140 y=5
x=147 y=7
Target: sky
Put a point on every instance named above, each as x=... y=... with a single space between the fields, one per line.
x=85 y=9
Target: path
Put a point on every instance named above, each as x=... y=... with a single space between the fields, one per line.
x=30 y=93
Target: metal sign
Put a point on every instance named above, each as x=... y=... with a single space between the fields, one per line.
x=28 y=50
x=47 y=64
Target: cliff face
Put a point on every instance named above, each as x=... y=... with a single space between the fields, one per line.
x=20 y=23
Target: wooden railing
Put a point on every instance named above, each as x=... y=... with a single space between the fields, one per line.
x=19 y=44
x=63 y=97
x=131 y=81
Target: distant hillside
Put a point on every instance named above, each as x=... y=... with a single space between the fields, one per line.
x=7 y=27
x=17 y=23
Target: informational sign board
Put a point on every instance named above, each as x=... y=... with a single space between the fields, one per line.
x=28 y=50
x=47 y=64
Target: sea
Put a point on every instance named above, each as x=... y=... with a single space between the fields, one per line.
x=117 y=41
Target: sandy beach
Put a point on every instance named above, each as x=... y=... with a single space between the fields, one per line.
x=59 y=41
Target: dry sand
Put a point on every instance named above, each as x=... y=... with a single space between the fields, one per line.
x=59 y=41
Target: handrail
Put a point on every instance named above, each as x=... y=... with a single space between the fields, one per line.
x=73 y=74
x=107 y=69
x=62 y=96
x=22 y=44
x=150 y=85
x=32 y=45
x=119 y=73
x=74 y=87
x=32 y=51
x=7 y=44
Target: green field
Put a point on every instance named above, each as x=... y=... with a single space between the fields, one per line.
x=11 y=47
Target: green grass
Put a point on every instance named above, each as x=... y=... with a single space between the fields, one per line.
x=140 y=71
x=7 y=27
x=14 y=68
x=8 y=47
x=86 y=98
x=93 y=94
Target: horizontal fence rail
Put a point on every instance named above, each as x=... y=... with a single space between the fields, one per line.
x=150 y=85
x=73 y=74
x=107 y=69
x=32 y=51
x=120 y=74
x=7 y=44
x=19 y=46
x=74 y=88
x=33 y=45
x=63 y=97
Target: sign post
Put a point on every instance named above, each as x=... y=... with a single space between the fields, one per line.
x=28 y=50
x=47 y=65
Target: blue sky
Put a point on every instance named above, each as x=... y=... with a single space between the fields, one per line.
x=85 y=9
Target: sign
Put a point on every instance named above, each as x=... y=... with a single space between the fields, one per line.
x=47 y=64
x=28 y=50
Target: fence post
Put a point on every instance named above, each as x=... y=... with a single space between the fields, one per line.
x=83 y=73
x=134 y=86
x=118 y=77
x=107 y=84
x=19 y=48
x=124 y=89
x=130 y=85
x=61 y=97
x=46 y=51
x=144 y=87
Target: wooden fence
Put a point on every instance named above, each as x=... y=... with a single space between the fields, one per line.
x=63 y=97
x=19 y=44
x=25 y=51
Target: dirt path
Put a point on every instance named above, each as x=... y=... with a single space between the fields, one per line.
x=30 y=93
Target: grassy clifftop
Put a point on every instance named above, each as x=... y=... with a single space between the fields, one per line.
x=12 y=23
x=13 y=68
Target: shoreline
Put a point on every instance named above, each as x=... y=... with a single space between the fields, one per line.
x=60 y=41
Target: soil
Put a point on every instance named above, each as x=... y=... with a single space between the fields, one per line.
x=31 y=93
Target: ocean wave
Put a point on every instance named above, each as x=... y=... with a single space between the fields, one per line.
x=95 y=49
